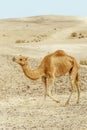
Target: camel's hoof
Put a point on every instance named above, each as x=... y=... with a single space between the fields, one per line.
x=57 y=101
x=77 y=102
x=66 y=104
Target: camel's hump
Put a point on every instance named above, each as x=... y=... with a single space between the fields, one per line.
x=59 y=53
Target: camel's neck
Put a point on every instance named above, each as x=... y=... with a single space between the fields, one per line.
x=32 y=74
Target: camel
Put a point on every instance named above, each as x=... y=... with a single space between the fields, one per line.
x=53 y=65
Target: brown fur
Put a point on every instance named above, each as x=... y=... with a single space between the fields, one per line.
x=53 y=65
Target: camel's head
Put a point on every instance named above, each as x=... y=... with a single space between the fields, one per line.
x=22 y=60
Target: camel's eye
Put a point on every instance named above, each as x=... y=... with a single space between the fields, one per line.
x=20 y=59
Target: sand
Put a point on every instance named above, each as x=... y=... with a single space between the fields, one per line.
x=20 y=97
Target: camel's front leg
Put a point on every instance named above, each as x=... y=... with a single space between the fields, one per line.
x=50 y=86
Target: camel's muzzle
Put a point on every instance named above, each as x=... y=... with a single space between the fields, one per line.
x=13 y=59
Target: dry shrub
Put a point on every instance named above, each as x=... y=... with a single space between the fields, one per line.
x=27 y=25
x=83 y=62
x=55 y=29
x=27 y=41
x=77 y=35
x=4 y=35
x=81 y=35
x=74 y=34
x=20 y=41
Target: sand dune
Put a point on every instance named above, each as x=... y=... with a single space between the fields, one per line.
x=38 y=29
x=20 y=97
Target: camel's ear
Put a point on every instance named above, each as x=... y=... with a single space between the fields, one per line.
x=26 y=58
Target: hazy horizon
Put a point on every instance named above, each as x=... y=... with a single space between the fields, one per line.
x=27 y=8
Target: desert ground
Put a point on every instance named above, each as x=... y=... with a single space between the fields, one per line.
x=20 y=97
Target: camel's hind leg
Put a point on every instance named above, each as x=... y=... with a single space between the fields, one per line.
x=50 y=86
x=78 y=87
x=73 y=85
x=72 y=90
